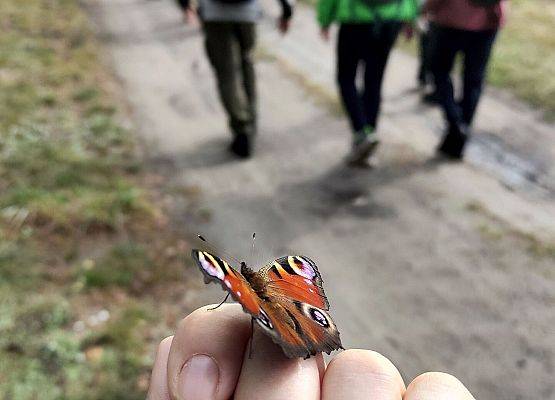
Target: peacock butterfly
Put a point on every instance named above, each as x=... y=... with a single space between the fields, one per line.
x=285 y=298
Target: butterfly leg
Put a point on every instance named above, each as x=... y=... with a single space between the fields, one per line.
x=252 y=337
x=224 y=300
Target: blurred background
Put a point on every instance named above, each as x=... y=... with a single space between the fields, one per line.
x=113 y=157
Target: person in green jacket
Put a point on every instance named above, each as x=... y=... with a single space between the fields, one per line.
x=368 y=29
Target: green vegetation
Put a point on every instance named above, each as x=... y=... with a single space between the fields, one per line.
x=120 y=267
x=492 y=228
x=85 y=254
x=524 y=59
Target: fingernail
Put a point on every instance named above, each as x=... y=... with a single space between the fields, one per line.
x=198 y=379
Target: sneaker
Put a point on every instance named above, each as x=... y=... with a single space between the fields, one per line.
x=241 y=146
x=365 y=143
x=453 y=143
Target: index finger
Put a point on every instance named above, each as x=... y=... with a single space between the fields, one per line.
x=207 y=353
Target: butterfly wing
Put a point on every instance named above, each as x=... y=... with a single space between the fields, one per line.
x=297 y=278
x=300 y=329
x=294 y=309
x=217 y=270
x=299 y=307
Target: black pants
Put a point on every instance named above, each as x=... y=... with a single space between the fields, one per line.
x=425 y=54
x=369 y=44
x=476 y=48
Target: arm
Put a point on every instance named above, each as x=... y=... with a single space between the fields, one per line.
x=286 y=9
x=430 y=6
x=184 y=4
x=326 y=12
x=189 y=14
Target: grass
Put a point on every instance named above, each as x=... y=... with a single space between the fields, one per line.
x=524 y=58
x=86 y=255
x=491 y=228
x=320 y=95
x=119 y=267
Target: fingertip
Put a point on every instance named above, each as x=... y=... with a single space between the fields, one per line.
x=270 y=375
x=164 y=346
x=321 y=364
x=208 y=345
x=437 y=385
x=372 y=363
x=158 y=387
x=360 y=374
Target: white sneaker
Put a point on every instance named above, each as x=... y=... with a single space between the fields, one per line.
x=364 y=145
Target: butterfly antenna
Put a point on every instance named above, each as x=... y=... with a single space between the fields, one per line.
x=218 y=306
x=252 y=248
x=213 y=249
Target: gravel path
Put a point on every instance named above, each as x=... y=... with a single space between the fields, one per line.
x=439 y=266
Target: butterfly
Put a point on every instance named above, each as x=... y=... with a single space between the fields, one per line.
x=285 y=298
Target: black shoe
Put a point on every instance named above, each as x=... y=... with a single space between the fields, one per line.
x=453 y=143
x=241 y=146
x=431 y=98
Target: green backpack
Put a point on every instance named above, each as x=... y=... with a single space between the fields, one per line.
x=374 y=3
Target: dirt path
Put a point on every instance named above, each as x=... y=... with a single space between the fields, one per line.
x=438 y=266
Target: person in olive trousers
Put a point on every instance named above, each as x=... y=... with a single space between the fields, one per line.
x=230 y=36
x=368 y=30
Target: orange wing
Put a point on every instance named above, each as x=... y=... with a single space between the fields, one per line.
x=216 y=269
x=300 y=329
x=294 y=309
x=293 y=286
x=297 y=278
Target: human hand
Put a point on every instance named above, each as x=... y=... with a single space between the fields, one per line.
x=408 y=31
x=325 y=34
x=190 y=16
x=283 y=25
x=208 y=359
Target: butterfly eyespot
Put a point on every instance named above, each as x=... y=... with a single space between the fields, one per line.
x=319 y=317
x=302 y=267
x=264 y=320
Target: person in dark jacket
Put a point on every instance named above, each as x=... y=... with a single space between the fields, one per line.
x=468 y=27
x=230 y=36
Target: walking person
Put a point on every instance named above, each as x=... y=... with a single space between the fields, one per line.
x=367 y=32
x=230 y=36
x=468 y=27
x=425 y=77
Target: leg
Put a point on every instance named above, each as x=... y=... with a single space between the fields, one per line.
x=423 y=68
x=477 y=51
x=246 y=34
x=376 y=53
x=445 y=49
x=431 y=96
x=223 y=301
x=223 y=52
x=347 y=64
